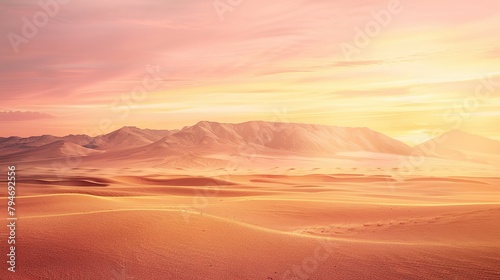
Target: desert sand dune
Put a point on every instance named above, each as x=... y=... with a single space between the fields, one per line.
x=180 y=181
x=74 y=182
x=161 y=226
x=160 y=245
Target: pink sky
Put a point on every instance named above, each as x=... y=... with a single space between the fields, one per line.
x=266 y=60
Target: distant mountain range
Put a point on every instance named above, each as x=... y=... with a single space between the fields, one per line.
x=459 y=145
x=206 y=142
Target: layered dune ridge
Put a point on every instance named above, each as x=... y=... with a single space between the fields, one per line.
x=254 y=201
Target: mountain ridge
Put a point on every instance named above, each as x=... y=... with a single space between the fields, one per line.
x=459 y=145
x=206 y=139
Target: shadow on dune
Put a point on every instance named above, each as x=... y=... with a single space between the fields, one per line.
x=71 y=182
x=184 y=181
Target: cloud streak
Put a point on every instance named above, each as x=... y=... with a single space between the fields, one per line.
x=15 y=116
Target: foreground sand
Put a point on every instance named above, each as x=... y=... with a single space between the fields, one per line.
x=333 y=226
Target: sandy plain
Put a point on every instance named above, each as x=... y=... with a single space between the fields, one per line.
x=119 y=224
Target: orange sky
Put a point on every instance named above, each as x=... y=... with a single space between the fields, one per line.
x=424 y=68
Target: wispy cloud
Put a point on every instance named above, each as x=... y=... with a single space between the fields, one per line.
x=14 y=116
